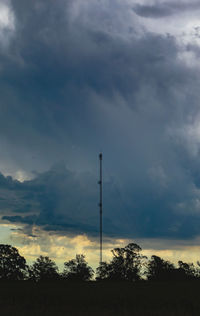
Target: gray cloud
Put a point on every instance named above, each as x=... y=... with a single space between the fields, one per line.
x=61 y=201
x=76 y=80
x=164 y=9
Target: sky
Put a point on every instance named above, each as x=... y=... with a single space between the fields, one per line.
x=82 y=77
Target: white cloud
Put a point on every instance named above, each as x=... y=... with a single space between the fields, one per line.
x=7 y=23
x=6 y=17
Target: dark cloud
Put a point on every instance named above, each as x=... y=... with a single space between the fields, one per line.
x=164 y=9
x=63 y=202
x=76 y=80
x=55 y=81
x=68 y=203
x=153 y=11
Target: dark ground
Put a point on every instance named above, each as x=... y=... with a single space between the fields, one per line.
x=55 y=298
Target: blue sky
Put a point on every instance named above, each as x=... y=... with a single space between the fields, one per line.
x=80 y=77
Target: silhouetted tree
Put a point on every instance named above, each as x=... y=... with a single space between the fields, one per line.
x=125 y=265
x=198 y=270
x=77 y=269
x=159 y=269
x=187 y=270
x=12 y=264
x=44 y=269
x=105 y=271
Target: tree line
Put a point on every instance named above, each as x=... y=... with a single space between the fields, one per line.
x=127 y=264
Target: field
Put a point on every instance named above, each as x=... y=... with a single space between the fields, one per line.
x=23 y=298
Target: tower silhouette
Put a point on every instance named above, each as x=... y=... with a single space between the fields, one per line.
x=100 y=206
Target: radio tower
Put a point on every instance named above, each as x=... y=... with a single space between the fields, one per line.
x=100 y=205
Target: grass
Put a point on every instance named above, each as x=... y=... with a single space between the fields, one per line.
x=106 y=299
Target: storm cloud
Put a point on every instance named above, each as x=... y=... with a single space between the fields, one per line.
x=78 y=78
x=64 y=202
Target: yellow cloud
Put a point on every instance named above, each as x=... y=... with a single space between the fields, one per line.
x=62 y=248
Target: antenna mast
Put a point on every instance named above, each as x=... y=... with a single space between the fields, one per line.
x=100 y=204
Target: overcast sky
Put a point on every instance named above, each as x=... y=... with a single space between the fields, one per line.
x=79 y=77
